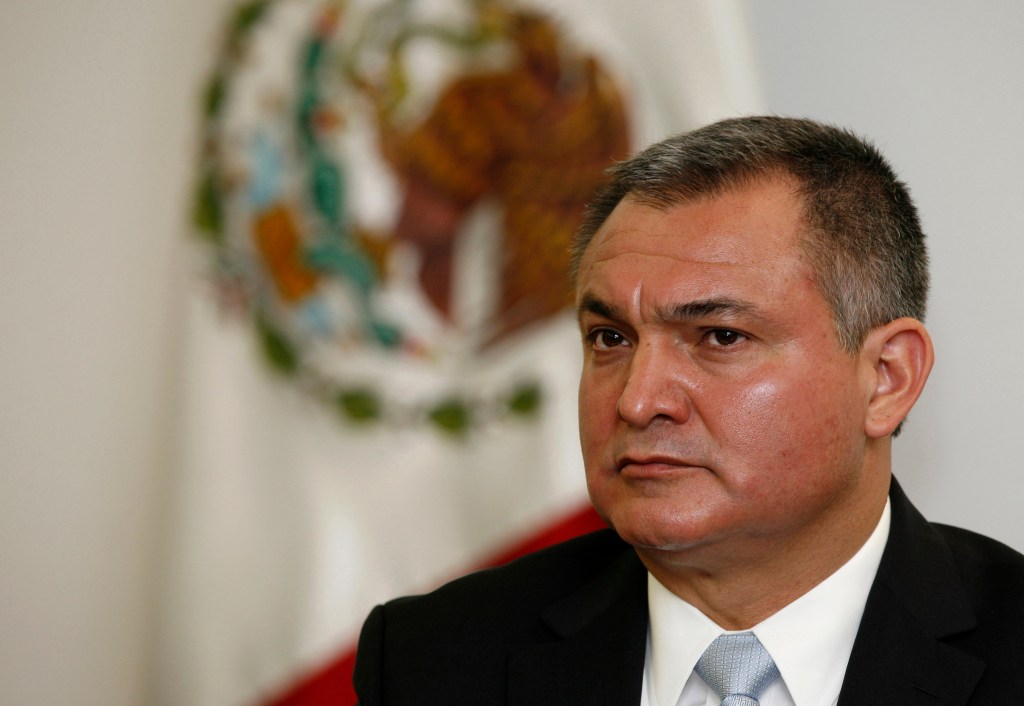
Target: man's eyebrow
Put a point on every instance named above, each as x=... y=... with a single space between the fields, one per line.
x=686 y=311
x=591 y=304
x=701 y=308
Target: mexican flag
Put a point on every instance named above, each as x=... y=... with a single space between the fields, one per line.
x=381 y=356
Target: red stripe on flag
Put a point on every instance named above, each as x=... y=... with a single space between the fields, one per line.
x=581 y=522
x=332 y=685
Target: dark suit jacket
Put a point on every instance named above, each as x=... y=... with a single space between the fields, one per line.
x=943 y=624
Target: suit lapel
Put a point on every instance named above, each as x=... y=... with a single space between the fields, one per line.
x=599 y=656
x=915 y=602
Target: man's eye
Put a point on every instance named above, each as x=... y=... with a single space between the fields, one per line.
x=723 y=337
x=604 y=338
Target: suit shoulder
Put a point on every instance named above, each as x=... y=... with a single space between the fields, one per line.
x=992 y=575
x=452 y=645
x=971 y=547
x=983 y=559
x=521 y=585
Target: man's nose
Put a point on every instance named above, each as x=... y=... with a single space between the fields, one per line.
x=658 y=384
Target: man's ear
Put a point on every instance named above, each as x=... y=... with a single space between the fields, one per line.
x=901 y=356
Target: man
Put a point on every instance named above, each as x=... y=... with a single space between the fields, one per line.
x=750 y=299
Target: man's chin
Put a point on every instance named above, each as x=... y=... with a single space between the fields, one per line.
x=658 y=534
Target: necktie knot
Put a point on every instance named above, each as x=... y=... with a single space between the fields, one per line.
x=738 y=668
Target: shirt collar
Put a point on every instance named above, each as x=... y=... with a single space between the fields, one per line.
x=810 y=639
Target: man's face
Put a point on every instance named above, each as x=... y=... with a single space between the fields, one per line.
x=715 y=403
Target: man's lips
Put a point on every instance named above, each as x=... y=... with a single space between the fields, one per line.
x=654 y=466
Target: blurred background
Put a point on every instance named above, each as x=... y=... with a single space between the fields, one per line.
x=179 y=525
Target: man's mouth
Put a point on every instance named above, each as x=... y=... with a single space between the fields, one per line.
x=642 y=466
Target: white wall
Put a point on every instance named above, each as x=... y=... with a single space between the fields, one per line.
x=939 y=86
x=97 y=112
x=97 y=106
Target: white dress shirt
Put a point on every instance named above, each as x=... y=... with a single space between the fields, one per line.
x=810 y=639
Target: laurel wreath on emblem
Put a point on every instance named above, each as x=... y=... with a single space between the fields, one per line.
x=349 y=286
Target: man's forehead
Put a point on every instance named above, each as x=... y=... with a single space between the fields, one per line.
x=731 y=227
x=742 y=229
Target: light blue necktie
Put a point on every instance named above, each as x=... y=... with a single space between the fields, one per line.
x=738 y=668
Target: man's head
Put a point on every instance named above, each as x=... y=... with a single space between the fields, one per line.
x=745 y=363
x=862 y=238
